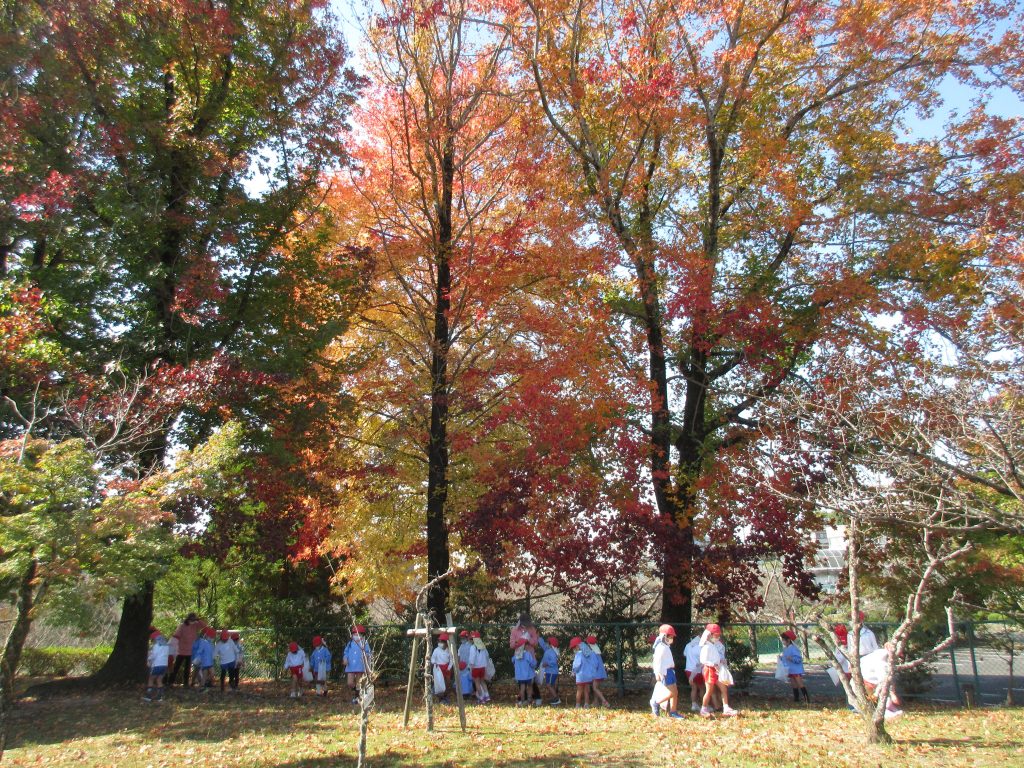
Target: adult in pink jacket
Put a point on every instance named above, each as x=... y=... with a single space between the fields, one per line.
x=187 y=632
x=525 y=630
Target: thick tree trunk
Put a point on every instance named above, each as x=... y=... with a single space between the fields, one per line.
x=127 y=661
x=437 y=452
x=876 y=733
x=24 y=602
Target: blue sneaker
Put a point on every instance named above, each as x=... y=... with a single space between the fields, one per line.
x=676 y=715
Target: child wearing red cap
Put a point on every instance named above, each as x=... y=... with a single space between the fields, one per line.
x=356 y=658
x=441 y=660
x=226 y=652
x=320 y=663
x=712 y=656
x=295 y=663
x=465 y=646
x=694 y=672
x=202 y=659
x=157 y=661
x=664 y=667
x=478 y=660
x=524 y=665
x=549 y=665
x=583 y=668
x=794 y=662
x=600 y=673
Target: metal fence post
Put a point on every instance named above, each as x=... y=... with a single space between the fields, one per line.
x=618 y=660
x=974 y=659
x=956 y=674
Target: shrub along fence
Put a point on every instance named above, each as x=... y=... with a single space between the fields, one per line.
x=981 y=668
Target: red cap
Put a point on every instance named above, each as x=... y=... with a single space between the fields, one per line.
x=462 y=665
x=574 y=642
x=790 y=635
x=520 y=642
x=714 y=629
x=235 y=636
x=463 y=633
x=667 y=629
x=841 y=630
x=224 y=634
x=860 y=616
x=591 y=639
x=210 y=632
x=359 y=629
x=317 y=641
x=154 y=634
x=553 y=641
x=443 y=637
x=293 y=647
x=474 y=633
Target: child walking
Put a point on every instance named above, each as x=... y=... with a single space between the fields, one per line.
x=664 y=667
x=583 y=668
x=202 y=659
x=600 y=673
x=320 y=662
x=357 y=657
x=549 y=665
x=159 y=654
x=694 y=672
x=226 y=652
x=525 y=667
x=712 y=656
x=441 y=659
x=295 y=663
x=478 y=664
x=466 y=679
x=794 y=662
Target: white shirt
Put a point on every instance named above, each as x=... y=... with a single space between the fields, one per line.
x=465 y=652
x=663 y=660
x=225 y=651
x=441 y=657
x=478 y=657
x=712 y=654
x=868 y=643
x=296 y=659
x=692 y=653
x=158 y=655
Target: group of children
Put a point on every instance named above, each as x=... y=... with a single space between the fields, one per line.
x=707 y=673
x=205 y=649
x=317 y=667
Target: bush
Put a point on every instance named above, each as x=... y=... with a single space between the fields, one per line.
x=741 y=661
x=62 y=661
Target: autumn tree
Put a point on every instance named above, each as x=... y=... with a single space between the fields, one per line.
x=751 y=167
x=172 y=150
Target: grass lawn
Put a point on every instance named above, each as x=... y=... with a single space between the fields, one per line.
x=261 y=726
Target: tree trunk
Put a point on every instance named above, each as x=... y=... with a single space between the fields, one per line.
x=876 y=733
x=24 y=602
x=437 y=452
x=127 y=661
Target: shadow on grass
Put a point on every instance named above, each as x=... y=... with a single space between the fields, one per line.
x=182 y=715
x=393 y=759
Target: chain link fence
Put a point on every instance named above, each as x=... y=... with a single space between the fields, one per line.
x=982 y=667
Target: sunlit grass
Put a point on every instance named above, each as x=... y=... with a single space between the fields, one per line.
x=263 y=727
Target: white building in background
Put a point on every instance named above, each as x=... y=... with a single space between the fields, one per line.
x=830 y=561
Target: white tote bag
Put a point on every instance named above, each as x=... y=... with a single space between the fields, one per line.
x=439 y=686
x=781 y=670
x=833 y=675
x=489 y=674
x=661 y=693
x=307 y=673
x=725 y=675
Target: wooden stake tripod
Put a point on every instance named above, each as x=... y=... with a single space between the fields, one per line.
x=423 y=630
